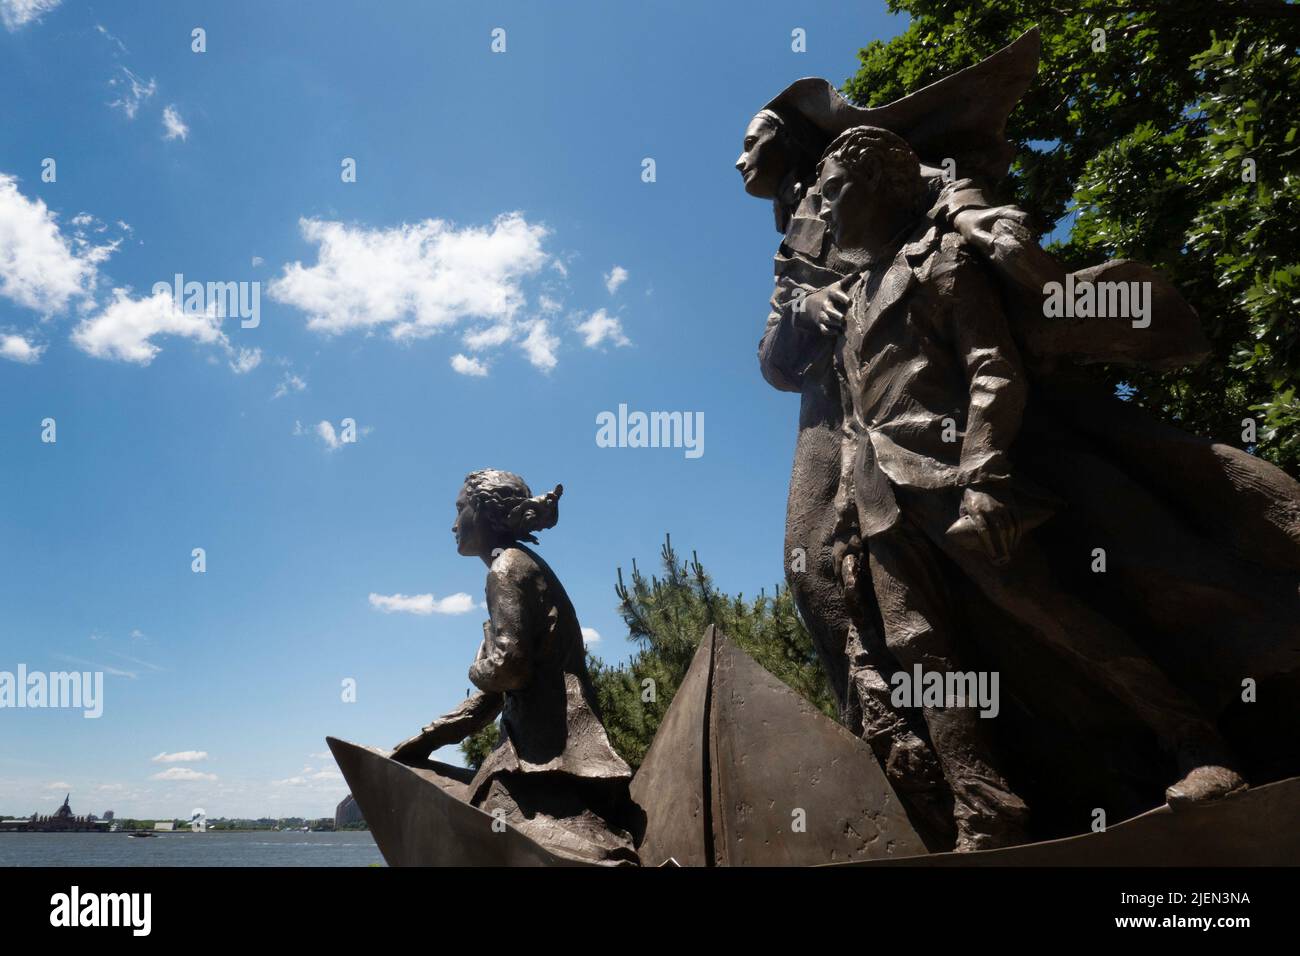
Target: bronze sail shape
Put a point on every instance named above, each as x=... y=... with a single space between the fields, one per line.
x=745 y=772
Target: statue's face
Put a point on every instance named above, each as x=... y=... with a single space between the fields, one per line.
x=762 y=162
x=845 y=202
x=467 y=528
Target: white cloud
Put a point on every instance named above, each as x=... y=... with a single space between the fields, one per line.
x=329 y=778
x=590 y=635
x=19 y=13
x=327 y=434
x=540 y=345
x=183 y=774
x=125 y=328
x=132 y=92
x=488 y=337
x=40 y=268
x=246 y=360
x=414 y=280
x=615 y=278
x=108 y=36
x=601 y=326
x=422 y=604
x=181 y=756
x=468 y=366
x=290 y=383
x=93 y=665
x=173 y=125
x=16 y=348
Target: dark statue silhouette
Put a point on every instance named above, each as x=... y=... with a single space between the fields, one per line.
x=955 y=479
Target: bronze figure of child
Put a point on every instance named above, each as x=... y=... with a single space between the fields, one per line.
x=554 y=775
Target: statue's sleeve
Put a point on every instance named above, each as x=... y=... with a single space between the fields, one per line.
x=506 y=663
x=474 y=713
x=786 y=351
x=994 y=372
x=957 y=197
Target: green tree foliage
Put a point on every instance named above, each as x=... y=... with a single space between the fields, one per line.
x=666 y=616
x=1170 y=137
x=476 y=747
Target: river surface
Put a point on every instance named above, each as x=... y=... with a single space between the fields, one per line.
x=214 y=848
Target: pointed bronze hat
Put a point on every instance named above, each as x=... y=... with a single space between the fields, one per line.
x=962 y=116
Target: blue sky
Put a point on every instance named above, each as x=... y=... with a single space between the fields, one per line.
x=495 y=195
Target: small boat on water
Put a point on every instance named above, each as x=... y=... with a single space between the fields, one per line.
x=141 y=835
x=735 y=739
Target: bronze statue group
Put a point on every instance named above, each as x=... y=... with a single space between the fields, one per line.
x=962 y=499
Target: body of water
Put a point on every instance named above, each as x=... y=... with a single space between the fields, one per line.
x=215 y=848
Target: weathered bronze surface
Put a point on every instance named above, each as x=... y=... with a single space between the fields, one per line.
x=963 y=502
x=1259 y=827
x=420 y=815
x=745 y=772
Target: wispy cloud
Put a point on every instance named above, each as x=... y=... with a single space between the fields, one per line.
x=135 y=660
x=183 y=775
x=93 y=665
x=132 y=91
x=245 y=360
x=422 y=604
x=601 y=327
x=326 y=432
x=290 y=383
x=615 y=278
x=19 y=13
x=121 y=47
x=181 y=756
x=540 y=345
x=327 y=778
x=173 y=126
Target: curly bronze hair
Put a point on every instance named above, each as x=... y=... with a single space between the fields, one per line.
x=505 y=501
x=862 y=148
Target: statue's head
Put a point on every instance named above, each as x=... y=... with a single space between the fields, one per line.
x=868 y=177
x=496 y=508
x=774 y=146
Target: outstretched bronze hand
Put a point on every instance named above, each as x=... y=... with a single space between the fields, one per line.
x=435 y=735
x=474 y=713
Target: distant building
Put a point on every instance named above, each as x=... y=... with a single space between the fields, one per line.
x=62 y=821
x=164 y=825
x=347 y=812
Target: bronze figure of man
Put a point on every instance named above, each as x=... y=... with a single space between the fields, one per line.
x=935 y=392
